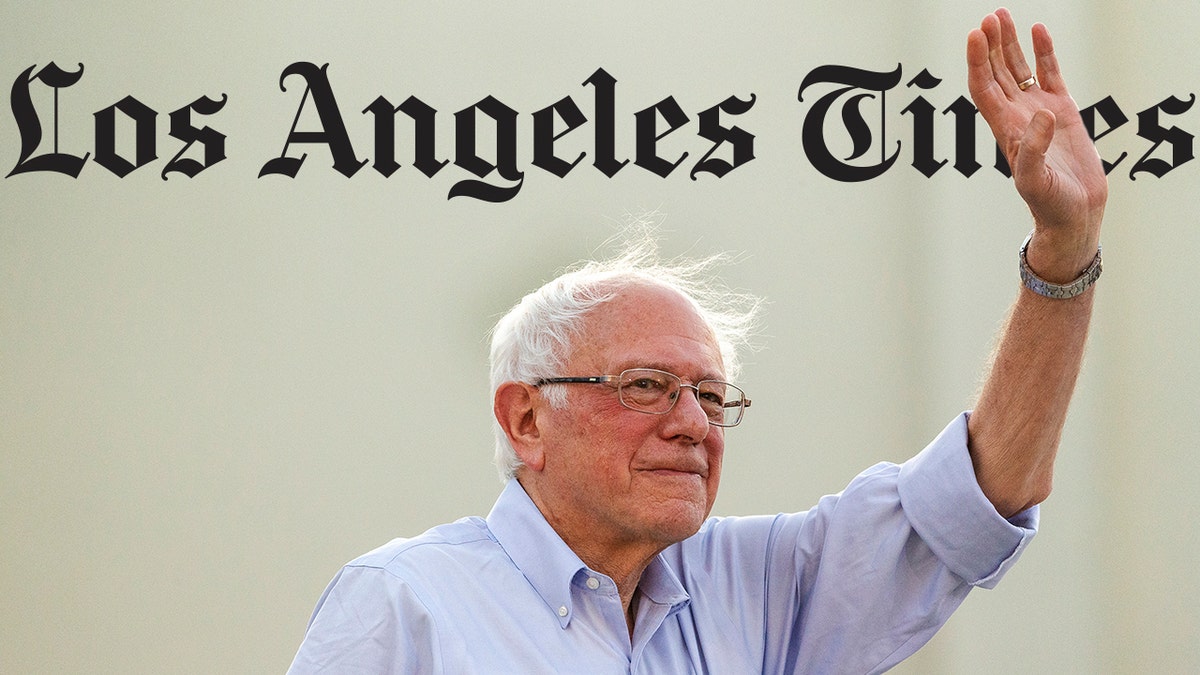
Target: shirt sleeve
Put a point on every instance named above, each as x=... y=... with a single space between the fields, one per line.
x=866 y=577
x=948 y=510
x=881 y=566
x=368 y=621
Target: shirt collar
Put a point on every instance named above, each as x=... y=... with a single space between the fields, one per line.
x=661 y=585
x=550 y=565
x=535 y=548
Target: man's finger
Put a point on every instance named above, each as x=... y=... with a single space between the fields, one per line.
x=1000 y=72
x=984 y=90
x=1049 y=75
x=1031 y=155
x=1014 y=57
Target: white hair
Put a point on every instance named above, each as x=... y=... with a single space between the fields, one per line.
x=533 y=340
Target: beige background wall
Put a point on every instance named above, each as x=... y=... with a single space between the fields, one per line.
x=215 y=391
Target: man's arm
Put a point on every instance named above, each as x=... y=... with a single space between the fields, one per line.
x=1014 y=431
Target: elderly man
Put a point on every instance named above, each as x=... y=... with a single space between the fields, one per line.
x=611 y=402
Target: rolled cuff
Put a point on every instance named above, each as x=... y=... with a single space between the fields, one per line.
x=942 y=499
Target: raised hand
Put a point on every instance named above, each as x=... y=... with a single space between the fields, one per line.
x=1055 y=166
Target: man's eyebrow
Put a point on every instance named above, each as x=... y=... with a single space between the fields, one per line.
x=658 y=365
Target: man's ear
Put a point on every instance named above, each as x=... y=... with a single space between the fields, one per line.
x=516 y=406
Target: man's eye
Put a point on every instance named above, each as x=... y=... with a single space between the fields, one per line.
x=645 y=383
x=712 y=397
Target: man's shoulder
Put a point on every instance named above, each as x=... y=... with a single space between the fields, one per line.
x=437 y=544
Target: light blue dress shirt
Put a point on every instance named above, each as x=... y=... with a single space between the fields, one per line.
x=854 y=585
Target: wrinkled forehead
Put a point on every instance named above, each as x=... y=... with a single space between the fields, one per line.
x=647 y=324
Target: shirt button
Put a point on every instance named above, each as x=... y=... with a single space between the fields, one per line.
x=562 y=611
x=593 y=583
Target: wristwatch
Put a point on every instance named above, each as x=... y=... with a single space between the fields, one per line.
x=1057 y=291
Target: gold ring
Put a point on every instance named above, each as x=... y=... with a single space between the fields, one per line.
x=1031 y=82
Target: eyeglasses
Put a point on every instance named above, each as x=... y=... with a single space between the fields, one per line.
x=655 y=391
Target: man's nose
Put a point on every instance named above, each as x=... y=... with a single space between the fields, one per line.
x=688 y=408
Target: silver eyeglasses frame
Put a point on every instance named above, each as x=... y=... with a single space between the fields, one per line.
x=672 y=394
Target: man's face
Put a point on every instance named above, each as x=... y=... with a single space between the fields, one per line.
x=618 y=477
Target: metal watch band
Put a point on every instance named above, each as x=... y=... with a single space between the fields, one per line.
x=1058 y=291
